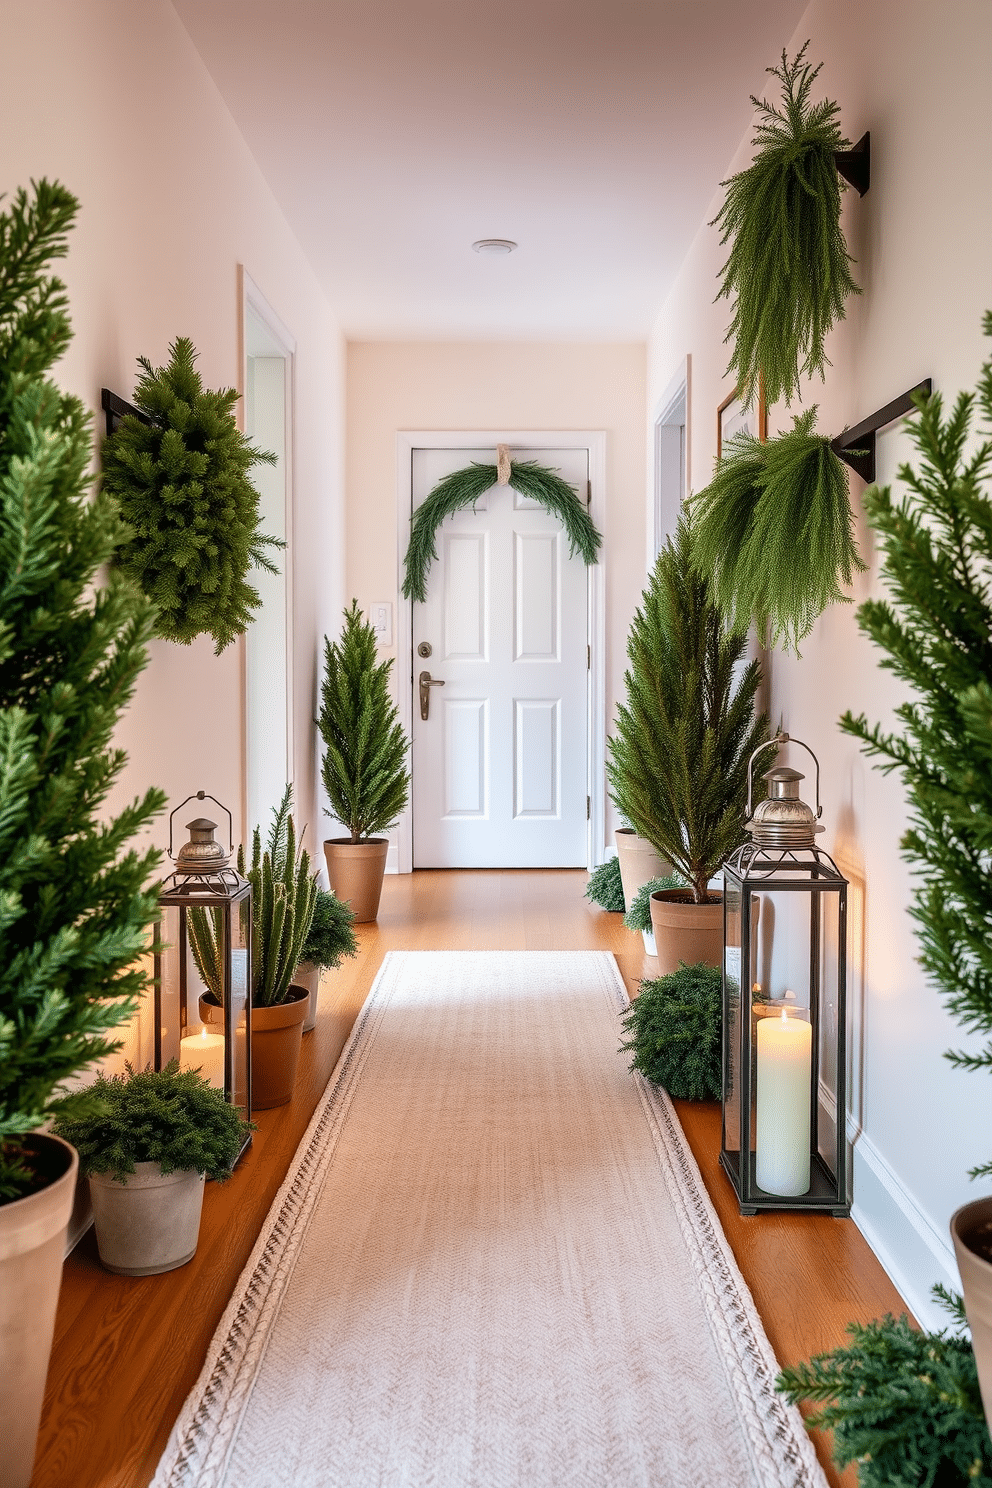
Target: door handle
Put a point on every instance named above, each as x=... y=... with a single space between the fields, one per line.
x=426 y=683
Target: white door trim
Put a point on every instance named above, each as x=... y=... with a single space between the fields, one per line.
x=520 y=439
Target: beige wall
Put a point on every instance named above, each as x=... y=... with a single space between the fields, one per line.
x=171 y=203
x=918 y=80
x=453 y=386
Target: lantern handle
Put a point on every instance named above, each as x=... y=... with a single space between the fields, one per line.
x=783 y=738
x=203 y=796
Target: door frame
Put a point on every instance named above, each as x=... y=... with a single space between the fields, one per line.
x=593 y=440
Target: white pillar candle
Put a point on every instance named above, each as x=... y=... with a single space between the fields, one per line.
x=785 y=1047
x=204 y=1051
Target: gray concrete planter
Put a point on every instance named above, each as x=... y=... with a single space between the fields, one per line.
x=149 y=1224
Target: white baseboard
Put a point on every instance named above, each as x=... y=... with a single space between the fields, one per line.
x=393 y=859
x=911 y=1249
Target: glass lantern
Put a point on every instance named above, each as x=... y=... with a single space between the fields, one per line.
x=203 y=971
x=784 y=1143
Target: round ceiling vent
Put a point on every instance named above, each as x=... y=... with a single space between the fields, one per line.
x=494 y=245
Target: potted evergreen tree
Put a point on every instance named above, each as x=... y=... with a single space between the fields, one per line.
x=77 y=904
x=678 y=758
x=364 y=765
x=283 y=894
x=147 y=1146
x=331 y=939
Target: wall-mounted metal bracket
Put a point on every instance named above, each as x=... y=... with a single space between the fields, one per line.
x=117 y=408
x=856 y=447
x=855 y=164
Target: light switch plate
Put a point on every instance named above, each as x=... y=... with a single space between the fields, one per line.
x=382 y=621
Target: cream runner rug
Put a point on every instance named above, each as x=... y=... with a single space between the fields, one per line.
x=493 y=1265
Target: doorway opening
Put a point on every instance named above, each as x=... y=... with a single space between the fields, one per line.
x=671 y=459
x=269 y=351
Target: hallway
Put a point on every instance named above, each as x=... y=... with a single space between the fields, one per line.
x=127 y=1351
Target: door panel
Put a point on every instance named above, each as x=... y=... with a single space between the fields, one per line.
x=499 y=766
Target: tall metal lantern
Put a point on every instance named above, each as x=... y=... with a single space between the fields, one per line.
x=203 y=880
x=785 y=1007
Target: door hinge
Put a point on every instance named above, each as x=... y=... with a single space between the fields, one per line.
x=588 y=808
x=588 y=658
x=588 y=493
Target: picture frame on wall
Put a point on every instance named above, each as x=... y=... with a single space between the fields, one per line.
x=733 y=418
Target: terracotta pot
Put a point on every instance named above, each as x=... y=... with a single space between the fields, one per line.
x=355 y=870
x=276 y=1036
x=971 y=1231
x=307 y=975
x=32 y=1246
x=639 y=863
x=149 y=1224
x=684 y=931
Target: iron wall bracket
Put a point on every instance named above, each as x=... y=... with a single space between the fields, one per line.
x=856 y=447
x=855 y=164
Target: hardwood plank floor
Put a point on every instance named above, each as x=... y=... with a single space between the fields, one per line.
x=127 y=1351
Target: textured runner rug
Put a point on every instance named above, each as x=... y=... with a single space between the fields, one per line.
x=493 y=1265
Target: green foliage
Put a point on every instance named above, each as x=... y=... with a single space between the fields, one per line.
x=166 y=1116
x=464 y=487
x=638 y=916
x=364 y=765
x=904 y=1405
x=182 y=483
x=75 y=906
x=678 y=759
x=774 y=531
x=605 y=886
x=283 y=891
x=787 y=271
x=331 y=937
x=674 y=1025
x=936 y=635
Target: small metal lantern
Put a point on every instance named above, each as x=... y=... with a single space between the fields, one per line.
x=784 y=1142
x=204 y=880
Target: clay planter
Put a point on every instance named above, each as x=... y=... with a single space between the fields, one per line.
x=32 y=1247
x=276 y=1036
x=355 y=870
x=639 y=862
x=149 y=1224
x=684 y=931
x=971 y=1231
x=307 y=975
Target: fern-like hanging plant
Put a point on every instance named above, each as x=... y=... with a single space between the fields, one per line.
x=774 y=532
x=788 y=271
x=182 y=484
x=464 y=487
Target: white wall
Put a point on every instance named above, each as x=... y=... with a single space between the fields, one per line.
x=114 y=101
x=918 y=79
x=394 y=386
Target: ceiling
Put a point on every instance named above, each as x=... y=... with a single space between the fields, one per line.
x=394 y=133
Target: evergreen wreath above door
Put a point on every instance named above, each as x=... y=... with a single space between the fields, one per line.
x=464 y=487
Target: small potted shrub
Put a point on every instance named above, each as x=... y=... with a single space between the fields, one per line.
x=364 y=766
x=678 y=758
x=638 y=916
x=331 y=939
x=675 y=1027
x=147 y=1144
x=605 y=887
x=283 y=895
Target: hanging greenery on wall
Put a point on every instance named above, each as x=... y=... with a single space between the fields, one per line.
x=936 y=635
x=774 y=532
x=182 y=484
x=787 y=272
x=464 y=487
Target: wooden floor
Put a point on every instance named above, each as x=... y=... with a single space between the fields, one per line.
x=127 y=1351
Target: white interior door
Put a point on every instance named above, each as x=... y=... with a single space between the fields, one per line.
x=500 y=766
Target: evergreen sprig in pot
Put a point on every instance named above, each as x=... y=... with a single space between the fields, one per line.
x=147 y=1146
x=364 y=767
x=77 y=900
x=283 y=895
x=678 y=758
x=330 y=940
